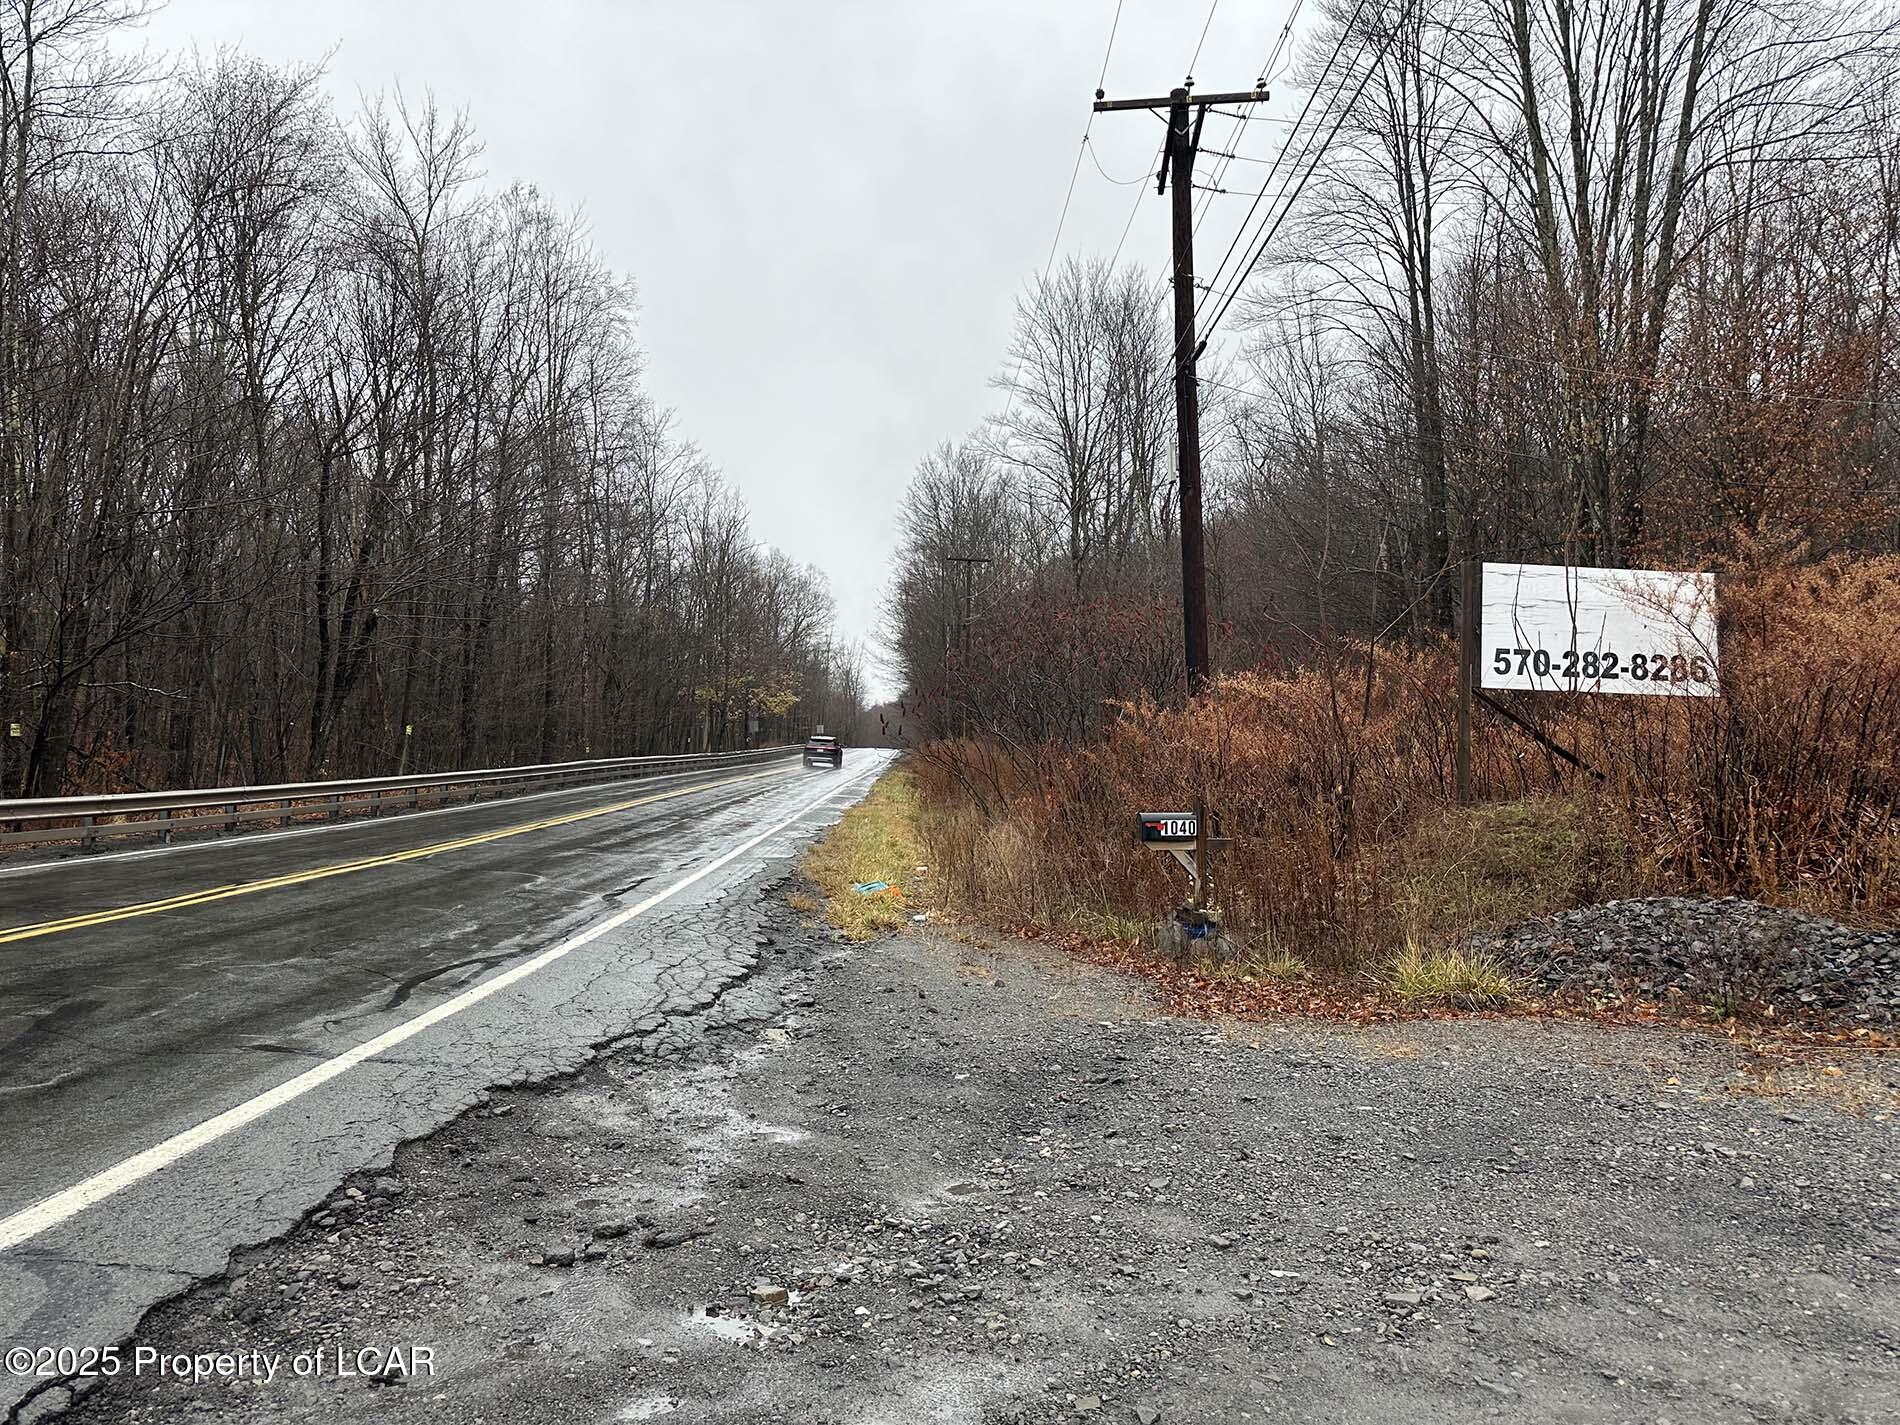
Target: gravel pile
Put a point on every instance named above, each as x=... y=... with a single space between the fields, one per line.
x=1729 y=951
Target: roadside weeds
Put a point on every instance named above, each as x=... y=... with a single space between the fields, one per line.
x=886 y=838
x=869 y=868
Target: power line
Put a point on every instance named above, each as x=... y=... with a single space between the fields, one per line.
x=1656 y=379
x=1267 y=75
x=1273 y=57
x=1267 y=69
x=1203 y=39
x=1285 y=148
x=1087 y=128
x=1108 y=50
x=1128 y=227
x=1141 y=178
x=1219 y=173
x=1417 y=128
x=1215 y=177
x=1290 y=433
x=1287 y=207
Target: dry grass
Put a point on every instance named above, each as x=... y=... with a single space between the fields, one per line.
x=1302 y=777
x=875 y=841
x=1460 y=979
x=1463 y=870
x=1786 y=788
x=1331 y=784
x=1279 y=965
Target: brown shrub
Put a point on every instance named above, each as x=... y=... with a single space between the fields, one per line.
x=1786 y=787
x=1307 y=770
x=1335 y=781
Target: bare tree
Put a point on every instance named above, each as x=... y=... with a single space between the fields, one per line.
x=320 y=457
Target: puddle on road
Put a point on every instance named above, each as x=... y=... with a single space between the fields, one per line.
x=648 y=1408
x=739 y=1330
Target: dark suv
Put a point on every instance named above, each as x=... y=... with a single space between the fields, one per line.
x=822 y=748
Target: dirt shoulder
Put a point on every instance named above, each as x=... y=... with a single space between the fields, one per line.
x=926 y=1179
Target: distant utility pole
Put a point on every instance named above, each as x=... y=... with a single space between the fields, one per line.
x=1178 y=157
x=969 y=563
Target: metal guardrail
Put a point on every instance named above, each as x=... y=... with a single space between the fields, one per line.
x=223 y=809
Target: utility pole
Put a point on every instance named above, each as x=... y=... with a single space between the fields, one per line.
x=1177 y=157
x=969 y=563
x=968 y=614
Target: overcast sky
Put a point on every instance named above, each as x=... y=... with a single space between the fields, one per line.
x=828 y=207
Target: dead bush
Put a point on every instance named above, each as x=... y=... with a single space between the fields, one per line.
x=1785 y=788
x=1335 y=780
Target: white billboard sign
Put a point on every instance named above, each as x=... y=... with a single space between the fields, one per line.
x=1552 y=628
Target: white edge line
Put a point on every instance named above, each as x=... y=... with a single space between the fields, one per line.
x=239 y=840
x=30 y=1222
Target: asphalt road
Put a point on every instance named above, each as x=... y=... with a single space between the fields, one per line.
x=201 y=1041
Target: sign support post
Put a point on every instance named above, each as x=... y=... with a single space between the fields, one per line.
x=1467 y=671
x=1198 y=903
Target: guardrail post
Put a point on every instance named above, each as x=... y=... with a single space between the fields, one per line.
x=288 y=819
x=336 y=807
x=164 y=828
x=230 y=818
x=87 y=840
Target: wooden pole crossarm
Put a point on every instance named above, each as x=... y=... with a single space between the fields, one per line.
x=1250 y=96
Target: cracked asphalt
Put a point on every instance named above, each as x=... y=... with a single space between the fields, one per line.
x=939 y=1177
x=115 y=1037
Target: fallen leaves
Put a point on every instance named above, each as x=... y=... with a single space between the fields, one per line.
x=1204 y=994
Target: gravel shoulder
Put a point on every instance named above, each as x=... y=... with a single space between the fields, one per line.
x=937 y=1178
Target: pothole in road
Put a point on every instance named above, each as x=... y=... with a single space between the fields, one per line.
x=592 y=1110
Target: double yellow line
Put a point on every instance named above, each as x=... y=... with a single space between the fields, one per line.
x=344 y=868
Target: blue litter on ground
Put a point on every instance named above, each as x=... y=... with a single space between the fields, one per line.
x=870 y=888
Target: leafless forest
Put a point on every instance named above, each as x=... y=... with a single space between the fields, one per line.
x=322 y=457
x=1596 y=281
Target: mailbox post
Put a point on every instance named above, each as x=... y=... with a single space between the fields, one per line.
x=1189 y=837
